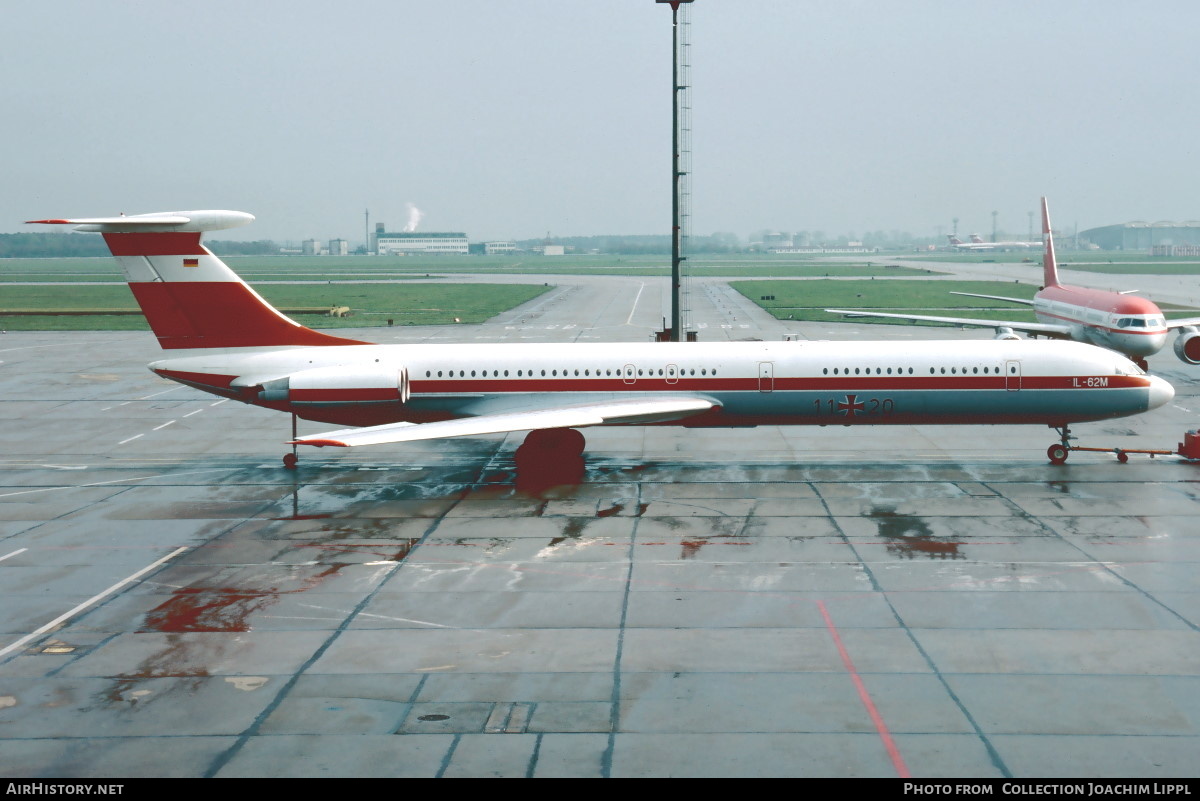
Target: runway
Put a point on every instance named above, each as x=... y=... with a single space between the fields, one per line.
x=926 y=602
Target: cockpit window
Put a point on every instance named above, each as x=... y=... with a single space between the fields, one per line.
x=1124 y=322
x=1126 y=367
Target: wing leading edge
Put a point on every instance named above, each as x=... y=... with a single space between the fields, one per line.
x=1045 y=329
x=654 y=410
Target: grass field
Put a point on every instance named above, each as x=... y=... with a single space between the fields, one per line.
x=371 y=304
x=369 y=268
x=807 y=300
x=319 y=282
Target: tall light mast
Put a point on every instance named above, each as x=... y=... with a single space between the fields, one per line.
x=679 y=198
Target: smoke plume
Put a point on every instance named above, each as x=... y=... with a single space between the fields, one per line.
x=414 y=217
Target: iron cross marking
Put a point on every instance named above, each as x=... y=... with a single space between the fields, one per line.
x=851 y=405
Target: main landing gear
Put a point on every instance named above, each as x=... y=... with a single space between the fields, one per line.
x=550 y=457
x=290 y=460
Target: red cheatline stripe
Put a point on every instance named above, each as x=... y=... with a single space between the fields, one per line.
x=832 y=384
x=352 y=394
x=865 y=697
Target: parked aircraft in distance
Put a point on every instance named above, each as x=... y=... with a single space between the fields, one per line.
x=1119 y=321
x=978 y=244
x=223 y=338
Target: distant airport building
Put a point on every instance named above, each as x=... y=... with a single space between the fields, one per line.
x=407 y=242
x=1175 y=250
x=777 y=241
x=1143 y=236
x=493 y=248
x=311 y=247
x=339 y=247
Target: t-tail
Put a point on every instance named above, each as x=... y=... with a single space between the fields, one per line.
x=191 y=298
x=1049 y=264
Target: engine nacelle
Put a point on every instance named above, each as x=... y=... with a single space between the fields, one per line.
x=340 y=386
x=1187 y=344
x=1005 y=333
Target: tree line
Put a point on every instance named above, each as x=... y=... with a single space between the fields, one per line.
x=73 y=245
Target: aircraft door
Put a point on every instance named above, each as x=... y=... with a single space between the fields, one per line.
x=402 y=383
x=629 y=374
x=766 y=376
x=1012 y=375
x=672 y=374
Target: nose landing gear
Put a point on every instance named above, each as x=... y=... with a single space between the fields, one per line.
x=1059 y=451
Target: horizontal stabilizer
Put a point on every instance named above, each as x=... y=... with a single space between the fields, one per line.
x=655 y=410
x=168 y=221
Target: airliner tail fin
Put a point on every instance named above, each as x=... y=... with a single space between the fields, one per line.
x=190 y=297
x=1049 y=263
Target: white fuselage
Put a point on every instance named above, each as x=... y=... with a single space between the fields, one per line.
x=751 y=383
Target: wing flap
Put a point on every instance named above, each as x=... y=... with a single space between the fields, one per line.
x=653 y=410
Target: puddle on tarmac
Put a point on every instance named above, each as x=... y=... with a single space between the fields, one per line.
x=910 y=537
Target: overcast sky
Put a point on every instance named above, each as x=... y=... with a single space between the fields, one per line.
x=517 y=118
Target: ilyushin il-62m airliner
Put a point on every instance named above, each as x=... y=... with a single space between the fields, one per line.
x=220 y=336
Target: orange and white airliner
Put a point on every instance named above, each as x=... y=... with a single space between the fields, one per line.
x=1119 y=321
x=222 y=337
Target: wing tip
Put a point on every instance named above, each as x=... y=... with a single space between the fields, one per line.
x=320 y=443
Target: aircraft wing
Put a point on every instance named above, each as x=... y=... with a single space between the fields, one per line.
x=1182 y=322
x=1044 y=329
x=994 y=297
x=654 y=410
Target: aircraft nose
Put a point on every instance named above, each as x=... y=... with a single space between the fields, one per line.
x=1161 y=392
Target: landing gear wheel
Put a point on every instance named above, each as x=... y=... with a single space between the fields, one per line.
x=1057 y=453
x=290 y=460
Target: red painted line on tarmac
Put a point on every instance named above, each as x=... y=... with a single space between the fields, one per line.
x=865 y=697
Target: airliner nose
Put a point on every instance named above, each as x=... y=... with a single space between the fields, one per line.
x=1160 y=392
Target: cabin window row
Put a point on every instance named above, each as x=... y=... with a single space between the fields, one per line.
x=585 y=373
x=909 y=371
